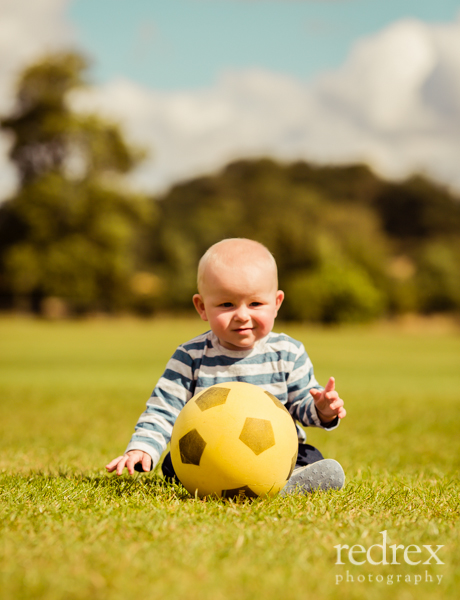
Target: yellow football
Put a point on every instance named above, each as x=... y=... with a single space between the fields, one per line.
x=234 y=440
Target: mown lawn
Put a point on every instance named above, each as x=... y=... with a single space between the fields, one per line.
x=70 y=395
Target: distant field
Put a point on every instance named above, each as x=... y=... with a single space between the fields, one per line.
x=71 y=393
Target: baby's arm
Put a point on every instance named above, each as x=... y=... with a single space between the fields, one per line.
x=308 y=402
x=154 y=426
x=328 y=403
x=129 y=460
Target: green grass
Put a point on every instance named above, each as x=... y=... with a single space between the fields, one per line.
x=70 y=395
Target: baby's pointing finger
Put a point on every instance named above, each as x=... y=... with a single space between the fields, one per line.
x=330 y=385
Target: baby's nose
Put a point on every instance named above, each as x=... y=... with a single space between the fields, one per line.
x=242 y=313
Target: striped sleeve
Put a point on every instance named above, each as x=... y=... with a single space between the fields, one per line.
x=174 y=388
x=300 y=402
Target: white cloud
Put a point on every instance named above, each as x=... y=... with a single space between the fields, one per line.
x=398 y=99
x=381 y=80
x=246 y=113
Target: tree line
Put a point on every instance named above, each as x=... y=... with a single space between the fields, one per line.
x=350 y=246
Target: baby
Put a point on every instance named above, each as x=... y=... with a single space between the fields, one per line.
x=238 y=295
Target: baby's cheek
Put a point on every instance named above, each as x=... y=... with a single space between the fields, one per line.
x=223 y=321
x=267 y=321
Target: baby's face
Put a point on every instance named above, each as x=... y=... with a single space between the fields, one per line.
x=240 y=302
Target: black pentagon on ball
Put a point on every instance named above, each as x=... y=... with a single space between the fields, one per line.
x=191 y=447
x=258 y=435
x=212 y=397
x=275 y=401
x=240 y=493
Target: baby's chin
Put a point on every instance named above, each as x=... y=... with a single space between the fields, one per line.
x=243 y=345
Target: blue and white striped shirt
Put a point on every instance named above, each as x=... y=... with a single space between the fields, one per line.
x=278 y=363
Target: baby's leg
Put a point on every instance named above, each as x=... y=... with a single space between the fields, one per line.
x=314 y=472
x=168 y=469
x=307 y=455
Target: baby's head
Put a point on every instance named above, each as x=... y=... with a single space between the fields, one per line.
x=238 y=292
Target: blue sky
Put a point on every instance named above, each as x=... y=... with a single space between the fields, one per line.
x=186 y=44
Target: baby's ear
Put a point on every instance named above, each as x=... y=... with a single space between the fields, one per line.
x=279 y=299
x=199 y=305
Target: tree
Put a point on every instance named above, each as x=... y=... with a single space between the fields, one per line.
x=312 y=238
x=70 y=230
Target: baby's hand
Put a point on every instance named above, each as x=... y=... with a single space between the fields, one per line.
x=328 y=403
x=128 y=460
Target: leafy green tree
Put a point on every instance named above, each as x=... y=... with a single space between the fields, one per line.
x=70 y=230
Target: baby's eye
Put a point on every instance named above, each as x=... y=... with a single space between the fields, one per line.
x=226 y=304
x=256 y=303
